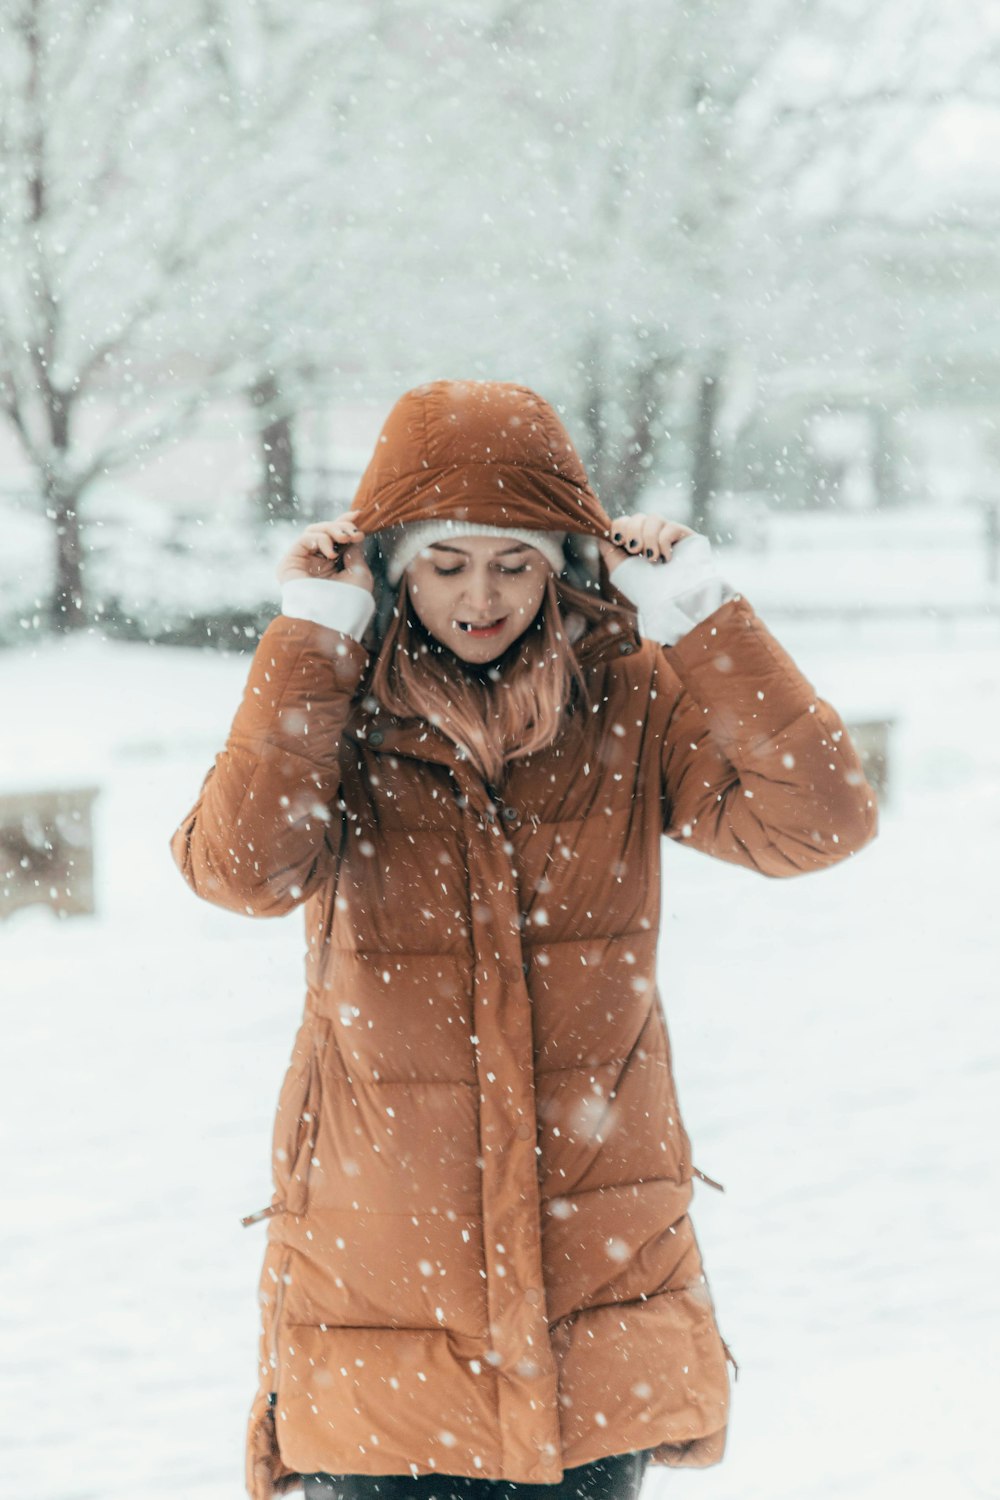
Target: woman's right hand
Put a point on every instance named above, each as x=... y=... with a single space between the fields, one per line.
x=331 y=550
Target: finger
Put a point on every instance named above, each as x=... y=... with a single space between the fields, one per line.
x=345 y=520
x=639 y=534
x=343 y=530
x=626 y=532
x=320 y=543
x=329 y=544
x=349 y=558
x=313 y=541
x=671 y=532
x=649 y=536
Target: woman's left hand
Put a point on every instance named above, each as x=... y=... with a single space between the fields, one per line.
x=641 y=536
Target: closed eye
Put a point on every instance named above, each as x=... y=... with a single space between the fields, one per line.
x=450 y=572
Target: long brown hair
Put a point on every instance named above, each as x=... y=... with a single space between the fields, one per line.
x=498 y=711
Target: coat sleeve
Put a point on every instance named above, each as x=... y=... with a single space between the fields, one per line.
x=756 y=768
x=264 y=832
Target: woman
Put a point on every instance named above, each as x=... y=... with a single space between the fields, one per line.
x=459 y=748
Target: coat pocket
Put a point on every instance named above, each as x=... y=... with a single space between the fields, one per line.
x=296 y=1126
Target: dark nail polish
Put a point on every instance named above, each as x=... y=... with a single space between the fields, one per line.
x=649 y=551
x=618 y=536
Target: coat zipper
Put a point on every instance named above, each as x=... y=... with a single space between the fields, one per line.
x=279 y=1298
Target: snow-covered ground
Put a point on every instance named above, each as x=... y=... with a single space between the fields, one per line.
x=838 y=1062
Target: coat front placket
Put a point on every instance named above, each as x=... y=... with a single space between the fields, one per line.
x=519 y=1330
x=520 y=1350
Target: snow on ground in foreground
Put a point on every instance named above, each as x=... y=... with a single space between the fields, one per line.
x=837 y=1058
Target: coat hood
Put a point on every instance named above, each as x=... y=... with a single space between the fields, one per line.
x=489 y=451
x=477 y=450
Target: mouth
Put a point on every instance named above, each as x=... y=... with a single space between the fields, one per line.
x=492 y=627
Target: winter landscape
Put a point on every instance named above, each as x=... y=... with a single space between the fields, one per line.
x=748 y=251
x=838 y=1064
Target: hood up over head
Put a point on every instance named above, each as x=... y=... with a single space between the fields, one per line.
x=483 y=451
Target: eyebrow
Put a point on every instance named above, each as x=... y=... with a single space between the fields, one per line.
x=443 y=547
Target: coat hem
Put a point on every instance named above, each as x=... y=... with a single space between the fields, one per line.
x=268 y=1475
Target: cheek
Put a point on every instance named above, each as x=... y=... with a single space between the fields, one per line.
x=528 y=597
x=431 y=599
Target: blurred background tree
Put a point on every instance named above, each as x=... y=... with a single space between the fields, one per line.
x=726 y=240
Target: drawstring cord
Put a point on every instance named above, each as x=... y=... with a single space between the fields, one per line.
x=263 y=1213
x=731 y=1359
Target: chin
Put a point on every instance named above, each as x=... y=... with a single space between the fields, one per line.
x=489 y=651
x=481 y=653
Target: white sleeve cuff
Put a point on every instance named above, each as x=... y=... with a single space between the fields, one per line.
x=673 y=597
x=327 y=601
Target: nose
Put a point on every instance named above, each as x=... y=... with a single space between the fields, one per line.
x=481 y=591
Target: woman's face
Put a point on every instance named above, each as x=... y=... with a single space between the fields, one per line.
x=477 y=581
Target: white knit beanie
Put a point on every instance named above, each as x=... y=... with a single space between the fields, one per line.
x=401 y=549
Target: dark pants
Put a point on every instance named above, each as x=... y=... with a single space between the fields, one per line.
x=616 y=1478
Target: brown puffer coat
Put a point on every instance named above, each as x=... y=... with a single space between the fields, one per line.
x=480 y=1259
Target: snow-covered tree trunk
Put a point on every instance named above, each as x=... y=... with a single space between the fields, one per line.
x=276 y=496
x=706 y=454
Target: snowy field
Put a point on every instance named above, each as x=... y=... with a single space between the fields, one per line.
x=837 y=1056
